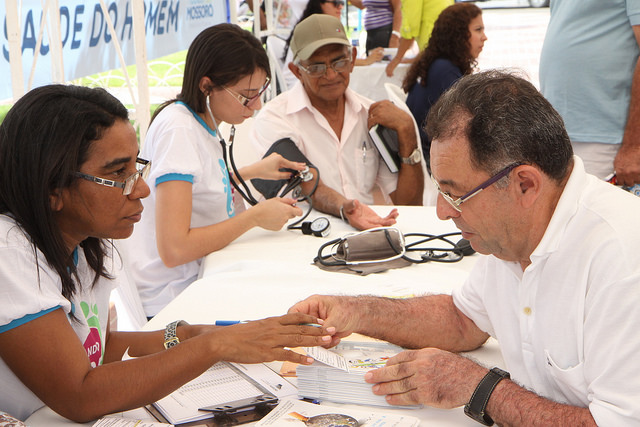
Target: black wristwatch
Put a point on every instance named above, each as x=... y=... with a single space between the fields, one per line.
x=478 y=403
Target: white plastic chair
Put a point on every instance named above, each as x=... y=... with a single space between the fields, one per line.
x=398 y=97
x=396 y=91
x=125 y=296
x=275 y=52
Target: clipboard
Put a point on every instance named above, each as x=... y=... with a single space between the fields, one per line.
x=188 y=406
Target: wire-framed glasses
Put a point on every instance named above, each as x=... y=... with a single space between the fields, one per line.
x=317 y=70
x=455 y=203
x=128 y=184
x=243 y=99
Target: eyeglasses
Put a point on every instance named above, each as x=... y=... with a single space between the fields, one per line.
x=243 y=99
x=336 y=3
x=319 y=70
x=457 y=202
x=128 y=184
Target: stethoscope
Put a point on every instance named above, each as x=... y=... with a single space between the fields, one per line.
x=319 y=227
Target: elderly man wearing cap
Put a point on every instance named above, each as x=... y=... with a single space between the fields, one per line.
x=329 y=123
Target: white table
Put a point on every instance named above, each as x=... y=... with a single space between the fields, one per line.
x=369 y=80
x=263 y=273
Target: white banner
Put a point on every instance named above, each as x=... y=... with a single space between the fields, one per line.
x=88 y=46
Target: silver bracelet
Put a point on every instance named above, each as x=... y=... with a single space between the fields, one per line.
x=396 y=33
x=342 y=214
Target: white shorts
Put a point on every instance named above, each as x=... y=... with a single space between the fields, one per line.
x=597 y=157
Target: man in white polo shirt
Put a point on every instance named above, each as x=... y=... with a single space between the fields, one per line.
x=558 y=285
x=329 y=123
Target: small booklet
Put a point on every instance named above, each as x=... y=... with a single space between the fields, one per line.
x=337 y=375
x=122 y=422
x=291 y=412
x=386 y=141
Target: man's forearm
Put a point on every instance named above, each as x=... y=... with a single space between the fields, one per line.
x=410 y=184
x=429 y=321
x=326 y=200
x=632 y=128
x=513 y=405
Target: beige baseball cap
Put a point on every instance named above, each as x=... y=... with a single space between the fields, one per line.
x=314 y=32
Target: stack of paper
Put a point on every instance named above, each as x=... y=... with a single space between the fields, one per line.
x=298 y=413
x=221 y=385
x=337 y=375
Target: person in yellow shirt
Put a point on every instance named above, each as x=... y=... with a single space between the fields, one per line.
x=418 y=17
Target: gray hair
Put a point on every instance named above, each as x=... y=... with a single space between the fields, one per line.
x=506 y=120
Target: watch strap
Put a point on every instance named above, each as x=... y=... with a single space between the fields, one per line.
x=478 y=403
x=413 y=159
x=170 y=333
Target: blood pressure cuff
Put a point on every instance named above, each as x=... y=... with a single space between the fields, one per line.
x=370 y=251
x=287 y=149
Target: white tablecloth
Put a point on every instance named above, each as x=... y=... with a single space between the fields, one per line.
x=263 y=273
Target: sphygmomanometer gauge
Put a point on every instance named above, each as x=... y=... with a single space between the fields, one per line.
x=319 y=227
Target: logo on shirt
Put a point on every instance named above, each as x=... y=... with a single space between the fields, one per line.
x=93 y=343
x=226 y=181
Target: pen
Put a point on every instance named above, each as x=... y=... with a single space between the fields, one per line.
x=228 y=322
x=364 y=151
x=235 y=322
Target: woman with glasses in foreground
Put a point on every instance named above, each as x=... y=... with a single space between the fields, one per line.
x=191 y=209
x=70 y=179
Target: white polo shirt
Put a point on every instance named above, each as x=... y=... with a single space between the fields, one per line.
x=31 y=288
x=568 y=325
x=350 y=165
x=181 y=147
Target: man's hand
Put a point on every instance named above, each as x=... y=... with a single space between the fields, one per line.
x=335 y=311
x=627 y=165
x=389 y=115
x=393 y=117
x=362 y=217
x=428 y=376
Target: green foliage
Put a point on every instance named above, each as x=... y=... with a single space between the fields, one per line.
x=3 y=111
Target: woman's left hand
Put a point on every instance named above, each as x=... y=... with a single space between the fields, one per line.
x=375 y=55
x=269 y=168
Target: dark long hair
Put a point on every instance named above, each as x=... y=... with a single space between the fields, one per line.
x=44 y=139
x=450 y=40
x=313 y=7
x=225 y=53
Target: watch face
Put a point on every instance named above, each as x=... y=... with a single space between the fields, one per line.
x=319 y=224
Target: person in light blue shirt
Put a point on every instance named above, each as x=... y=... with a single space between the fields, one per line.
x=589 y=73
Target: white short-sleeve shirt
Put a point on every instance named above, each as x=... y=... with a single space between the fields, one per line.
x=181 y=147
x=349 y=164
x=567 y=325
x=29 y=288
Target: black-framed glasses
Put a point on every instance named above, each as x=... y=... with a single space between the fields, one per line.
x=336 y=3
x=318 y=70
x=128 y=184
x=455 y=203
x=245 y=101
